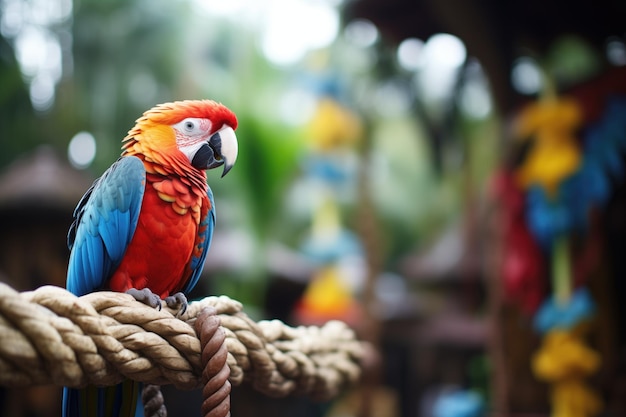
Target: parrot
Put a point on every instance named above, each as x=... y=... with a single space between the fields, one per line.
x=145 y=226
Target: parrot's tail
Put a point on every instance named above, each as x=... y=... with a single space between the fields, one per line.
x=116 y=401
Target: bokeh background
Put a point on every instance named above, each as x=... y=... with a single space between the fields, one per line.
x=445 y=176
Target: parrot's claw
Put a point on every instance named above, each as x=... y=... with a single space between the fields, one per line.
x=146 y=297
x=178 y=302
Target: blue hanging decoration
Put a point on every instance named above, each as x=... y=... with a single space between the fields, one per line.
x=459 y=403
x=555 y=314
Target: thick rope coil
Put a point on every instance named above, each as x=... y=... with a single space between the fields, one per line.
x=216 y=391
x=51 y=336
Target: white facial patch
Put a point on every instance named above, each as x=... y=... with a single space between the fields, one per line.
x=191 y=134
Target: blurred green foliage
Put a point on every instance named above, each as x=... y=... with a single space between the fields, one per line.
x=123 y=57
x=17 y=130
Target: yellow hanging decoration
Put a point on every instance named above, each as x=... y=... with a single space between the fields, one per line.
x=328 y=297
x=328 y=294
x=564 y=361
x=555 y=155
x=333 y=126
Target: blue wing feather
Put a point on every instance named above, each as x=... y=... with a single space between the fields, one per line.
x=104 y=223
x=94 y=263
x=197 y=263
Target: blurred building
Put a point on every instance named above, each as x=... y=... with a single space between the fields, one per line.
x=38 y=193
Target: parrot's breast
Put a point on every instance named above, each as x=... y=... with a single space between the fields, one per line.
x=159 y=253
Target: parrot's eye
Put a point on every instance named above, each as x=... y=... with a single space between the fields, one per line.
x=191 y=133
x=190 y=126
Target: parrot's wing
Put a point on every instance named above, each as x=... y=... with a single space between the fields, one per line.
x=104 y=223
x=203 y=241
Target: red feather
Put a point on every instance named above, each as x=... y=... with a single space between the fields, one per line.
x=160 y=250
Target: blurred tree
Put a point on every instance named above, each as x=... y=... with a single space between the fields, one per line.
x=121 y=58
x=124 y=63
x=17 y=131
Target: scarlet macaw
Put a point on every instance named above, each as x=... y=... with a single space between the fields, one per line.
x=147 y=222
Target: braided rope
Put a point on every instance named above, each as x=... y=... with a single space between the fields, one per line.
x=216 y=391
x=51 y=336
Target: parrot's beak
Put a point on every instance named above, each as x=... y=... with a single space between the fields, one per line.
x=221 y=149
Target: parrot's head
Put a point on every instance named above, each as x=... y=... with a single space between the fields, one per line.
x=203 y=131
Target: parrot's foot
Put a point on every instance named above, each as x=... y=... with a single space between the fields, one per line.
x=146 y=297
x=178 y=302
